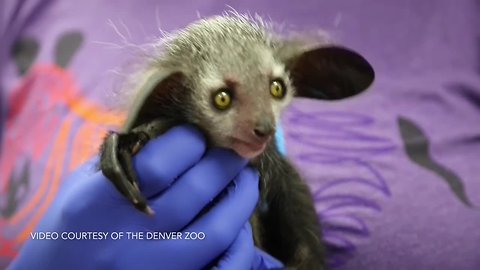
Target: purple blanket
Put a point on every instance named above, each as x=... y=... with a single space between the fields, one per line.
x=395 y=171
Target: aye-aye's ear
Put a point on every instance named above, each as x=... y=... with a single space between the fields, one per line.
x=329 y=72
x=154 y=90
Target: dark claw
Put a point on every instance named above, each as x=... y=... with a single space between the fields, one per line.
x=116 y=165
x=142 y=139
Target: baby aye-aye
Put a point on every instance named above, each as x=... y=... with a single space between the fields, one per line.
x=232 y=76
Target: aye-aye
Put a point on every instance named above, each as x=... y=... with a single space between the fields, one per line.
x=232 y=76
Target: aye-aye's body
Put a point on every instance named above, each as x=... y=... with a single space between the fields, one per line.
x=232 y=77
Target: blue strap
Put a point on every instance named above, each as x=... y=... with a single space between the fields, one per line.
x=280 y=140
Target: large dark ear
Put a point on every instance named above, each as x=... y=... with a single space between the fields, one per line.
x=157 y=95
x=329 y=73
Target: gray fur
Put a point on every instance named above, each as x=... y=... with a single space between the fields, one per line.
x=210 y=51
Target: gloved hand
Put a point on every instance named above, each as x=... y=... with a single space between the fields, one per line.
x=242 y=254
x=179 y=179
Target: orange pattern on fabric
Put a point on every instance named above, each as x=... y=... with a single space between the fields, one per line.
x=56 y=164
x=92 y=120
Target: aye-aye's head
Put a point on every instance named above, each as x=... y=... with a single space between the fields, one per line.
x=232 y=77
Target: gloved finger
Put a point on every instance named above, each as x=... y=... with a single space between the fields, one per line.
x=84 y=171
x=165 y=158
x=182 y=202
x=265 y=261
x=223 y=222
x=241 y=253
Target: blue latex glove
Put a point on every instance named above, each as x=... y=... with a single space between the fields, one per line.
x=179 y=179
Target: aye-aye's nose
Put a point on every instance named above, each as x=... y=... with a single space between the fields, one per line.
x=264 y=128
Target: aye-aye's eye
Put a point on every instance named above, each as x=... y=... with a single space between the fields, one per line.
x=277 y=88
x=222 y=99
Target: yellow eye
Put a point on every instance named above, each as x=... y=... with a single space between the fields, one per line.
x=222 y=100
x=277 y=89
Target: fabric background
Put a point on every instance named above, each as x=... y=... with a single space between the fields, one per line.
x=394 y=171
